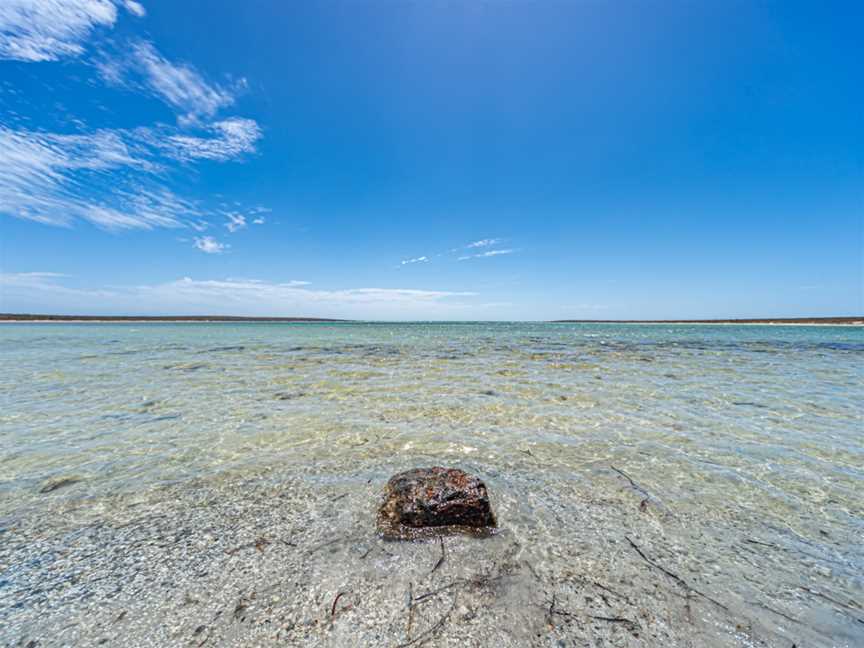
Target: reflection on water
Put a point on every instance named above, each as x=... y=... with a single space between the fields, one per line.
x=757 y=429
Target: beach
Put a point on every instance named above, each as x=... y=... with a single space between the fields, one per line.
x=216 y=484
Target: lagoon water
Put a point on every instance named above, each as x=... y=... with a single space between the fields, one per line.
x=744 y=444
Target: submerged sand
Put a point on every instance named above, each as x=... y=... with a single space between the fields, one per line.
x=293 y=559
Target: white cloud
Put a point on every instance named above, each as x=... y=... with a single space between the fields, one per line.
x=40 y=292
x=482 y=255
x=178 y=84
x=55 y=179
x=210 y=245
x=135 y=8
x=484 y=243
x=259 y=221
x=48 y=30
x=235 y=222
x=22 y=286
x=234 y=137
x=111 y=178
x=422 y=259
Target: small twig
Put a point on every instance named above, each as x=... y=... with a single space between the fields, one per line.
x=675 y=577
x=778 y=612
x=431 y=631
x=443 y=555
x=324 y=544
x=632 y=626
x=335 y=601
x=647 y=497
x=688 y=607
x=259 y=544
x=855 y=607
x=610 y=590
x=338 y=497
x=759 y=542
x=552 y=610
x=428 y=595
x=410 y=609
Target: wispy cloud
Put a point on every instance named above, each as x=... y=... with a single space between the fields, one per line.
x=232 y=138
x=48 y=30
x=114 y=179
x=235 y=222
x=210 y=245
x=179 y=85
x=19 y=286
x=135 y=8
x=420 y=259
x=35 y=292
x=259 y=221
x=484 y=243
x=483 y=255
x=45 y=177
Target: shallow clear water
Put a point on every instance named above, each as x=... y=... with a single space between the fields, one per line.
x=750 y=430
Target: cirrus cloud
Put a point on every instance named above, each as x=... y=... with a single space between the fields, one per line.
x=210 y=245
x=115 y=179
x=231 y=138
x=483 y=255
x=43 y=292
x=48 y=30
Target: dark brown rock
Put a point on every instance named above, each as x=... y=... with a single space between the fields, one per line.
x=432 y=501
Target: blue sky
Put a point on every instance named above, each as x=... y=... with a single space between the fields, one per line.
x=432 y=160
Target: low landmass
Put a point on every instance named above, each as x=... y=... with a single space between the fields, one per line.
x=857 y=320
x=28 y=317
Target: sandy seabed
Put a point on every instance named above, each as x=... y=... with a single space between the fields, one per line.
x=294 y=559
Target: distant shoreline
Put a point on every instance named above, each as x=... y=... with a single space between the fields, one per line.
x=143 y=319
x=776 y=321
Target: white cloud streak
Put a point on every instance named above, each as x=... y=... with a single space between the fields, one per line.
x=115 y=179
x=43 y=292
x=232 y=138
x=48 y=30
x=484 y=243
x=235 y=222
x=421 y=259
x=135 y=8
x=483 y=255
x=44 y=177
x=178 y=84
x=111 y=178
x=210 y=245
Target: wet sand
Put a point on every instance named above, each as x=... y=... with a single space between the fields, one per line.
x=293 y=559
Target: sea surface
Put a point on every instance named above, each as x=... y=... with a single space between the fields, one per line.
x=753 y=434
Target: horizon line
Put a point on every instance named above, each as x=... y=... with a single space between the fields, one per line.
x=33 y=317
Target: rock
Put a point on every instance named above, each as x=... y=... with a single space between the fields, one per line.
x=430 y=501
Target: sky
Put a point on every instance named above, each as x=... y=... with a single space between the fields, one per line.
x=434 y=160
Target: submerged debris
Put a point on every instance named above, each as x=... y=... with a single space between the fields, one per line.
x=51 y=486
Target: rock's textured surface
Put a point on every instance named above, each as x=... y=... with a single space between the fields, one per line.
x=429 y=501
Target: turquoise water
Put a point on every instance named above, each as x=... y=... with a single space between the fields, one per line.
x=749 y=430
